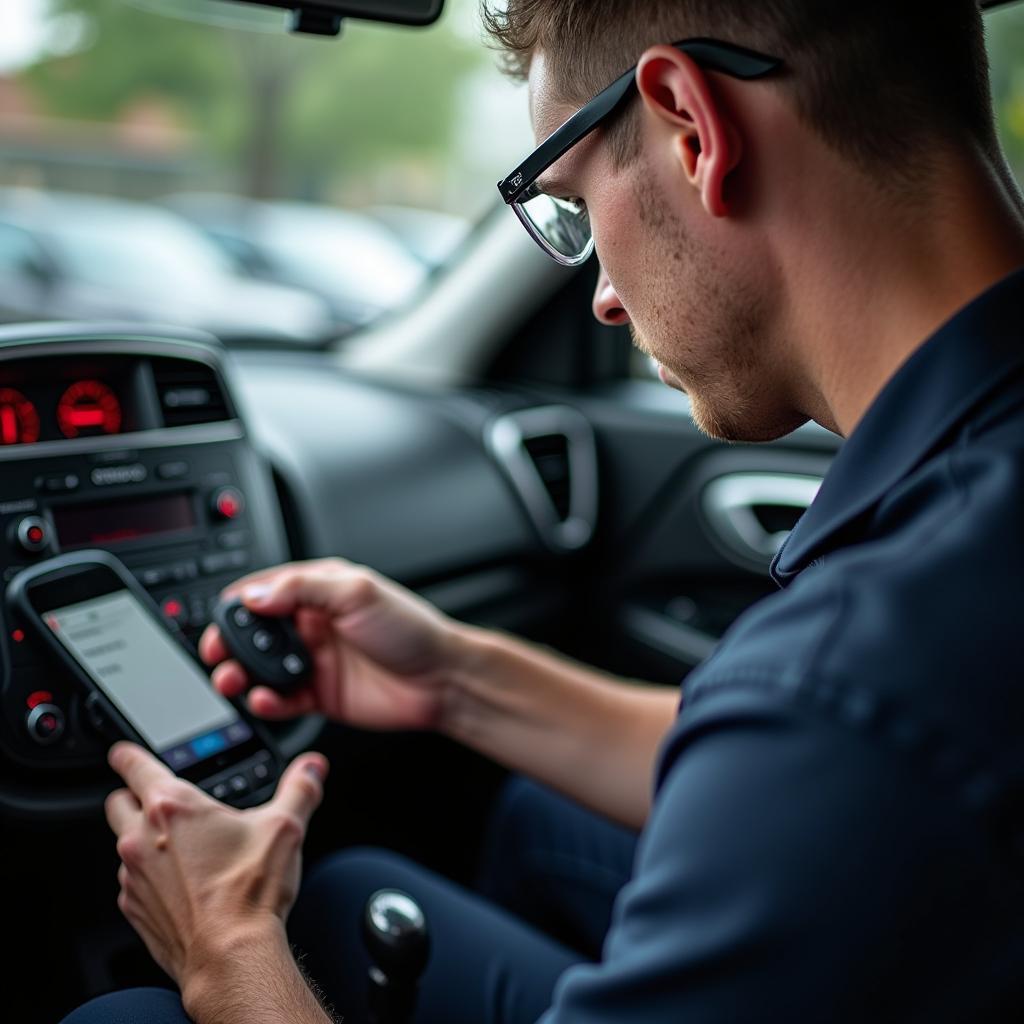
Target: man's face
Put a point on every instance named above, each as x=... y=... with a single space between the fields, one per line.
x=697 y=300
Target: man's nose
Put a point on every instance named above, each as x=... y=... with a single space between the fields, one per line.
x=608 y=307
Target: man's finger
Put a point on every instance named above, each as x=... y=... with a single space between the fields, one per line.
x=335 y=590
x=263 y=577
x=212 y=648
x=267 y=703
x=138 y=767
x=314 y=626
x=301 y=789
x=229 y=679
x=122 y=809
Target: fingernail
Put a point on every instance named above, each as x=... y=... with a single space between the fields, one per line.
x=317 y=769
x=256 y=594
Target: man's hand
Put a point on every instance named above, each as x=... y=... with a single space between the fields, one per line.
x=199 y=878
x=386 y=659
x=383 y=657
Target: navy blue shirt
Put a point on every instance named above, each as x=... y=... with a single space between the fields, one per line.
x=838 y=828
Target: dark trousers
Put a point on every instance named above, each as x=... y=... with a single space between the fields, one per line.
x=549 y=875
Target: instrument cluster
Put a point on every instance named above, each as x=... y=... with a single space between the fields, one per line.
x=55 y=399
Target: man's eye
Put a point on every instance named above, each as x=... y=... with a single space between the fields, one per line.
x=575 y=202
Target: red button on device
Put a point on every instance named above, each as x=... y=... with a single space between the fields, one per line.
x=228 y=503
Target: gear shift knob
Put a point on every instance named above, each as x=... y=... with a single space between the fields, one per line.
x=395 y=930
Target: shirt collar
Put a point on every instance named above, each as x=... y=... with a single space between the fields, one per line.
x=927 y=397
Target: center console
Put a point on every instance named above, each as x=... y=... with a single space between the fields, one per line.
x=131 y=441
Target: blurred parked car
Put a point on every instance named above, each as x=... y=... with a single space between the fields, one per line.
x=355 y=264
x=431 y=236
x=72 y=256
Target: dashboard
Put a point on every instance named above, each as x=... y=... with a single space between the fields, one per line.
x=137 y=442
x=131 y=442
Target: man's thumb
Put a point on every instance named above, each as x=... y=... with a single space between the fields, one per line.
x=301 y=788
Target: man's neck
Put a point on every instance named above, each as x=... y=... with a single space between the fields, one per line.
x=900 y=277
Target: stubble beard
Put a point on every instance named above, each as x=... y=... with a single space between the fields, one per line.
x=717 y=357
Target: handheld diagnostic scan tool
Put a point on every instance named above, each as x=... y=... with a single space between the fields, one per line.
x=145 y=680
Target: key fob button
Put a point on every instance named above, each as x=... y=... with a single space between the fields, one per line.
x=269 y=648
x=263 y=640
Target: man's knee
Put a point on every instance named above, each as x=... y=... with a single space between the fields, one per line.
x=336 y=889
x=132 y=1006
x=518 y=814
x=520 y=805
x=354 y=874
x=524 y=813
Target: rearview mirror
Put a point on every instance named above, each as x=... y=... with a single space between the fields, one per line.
x=319 y=17
x=324 y=16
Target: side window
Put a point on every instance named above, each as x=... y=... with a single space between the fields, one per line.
x=1005 y=32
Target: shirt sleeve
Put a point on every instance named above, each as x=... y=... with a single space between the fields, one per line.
x=793 y=869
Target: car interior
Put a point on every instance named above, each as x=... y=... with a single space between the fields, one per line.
x=487 y=444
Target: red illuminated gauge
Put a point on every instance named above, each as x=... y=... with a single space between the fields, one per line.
x=88 y=407
x=19 y=423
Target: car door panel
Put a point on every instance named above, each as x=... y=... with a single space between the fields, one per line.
x=686 y=530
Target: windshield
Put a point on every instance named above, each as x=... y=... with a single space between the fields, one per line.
x=170 y=153
x=331 y=178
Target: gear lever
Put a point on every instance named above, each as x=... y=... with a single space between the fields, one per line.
x=395 y=930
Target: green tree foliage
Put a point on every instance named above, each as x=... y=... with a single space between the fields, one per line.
x=126 y=53
x=1005 y=31
x=280 y=113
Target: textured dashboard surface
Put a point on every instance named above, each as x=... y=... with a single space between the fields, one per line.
x=379 y=476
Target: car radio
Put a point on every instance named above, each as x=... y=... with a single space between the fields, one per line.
x=172 y=486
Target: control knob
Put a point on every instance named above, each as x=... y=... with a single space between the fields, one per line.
x=45 y=724
x=227 y=503
x=32 y=533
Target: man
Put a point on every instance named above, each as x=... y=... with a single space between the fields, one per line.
x=801 y=208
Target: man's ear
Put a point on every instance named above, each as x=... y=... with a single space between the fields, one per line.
x=707 y=142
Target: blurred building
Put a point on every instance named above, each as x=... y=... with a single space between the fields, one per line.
x=147 y=150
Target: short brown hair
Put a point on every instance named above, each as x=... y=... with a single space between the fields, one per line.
x=877 y=79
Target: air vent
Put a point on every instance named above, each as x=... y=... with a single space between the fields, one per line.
x=189 y=393
x=550 y=456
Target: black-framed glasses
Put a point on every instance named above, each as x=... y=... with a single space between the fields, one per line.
x=561 y=227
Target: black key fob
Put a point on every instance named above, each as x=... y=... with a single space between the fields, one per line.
x=269 y=649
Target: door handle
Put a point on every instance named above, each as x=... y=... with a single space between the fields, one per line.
x=736 y=506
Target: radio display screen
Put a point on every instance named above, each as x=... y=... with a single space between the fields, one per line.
x=109 y=522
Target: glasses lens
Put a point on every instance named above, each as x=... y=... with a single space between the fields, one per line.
x=563 y=224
